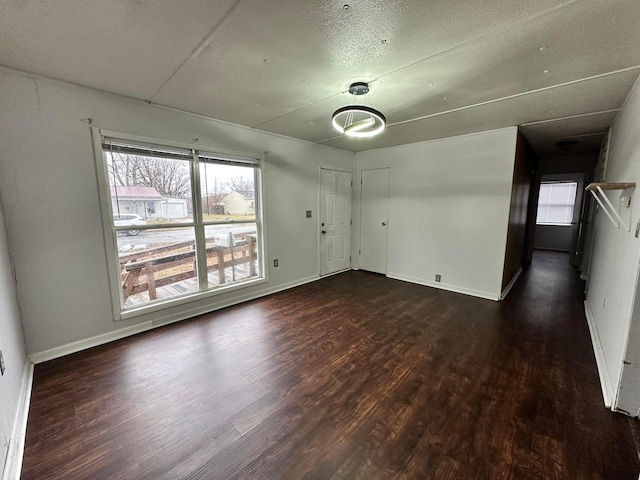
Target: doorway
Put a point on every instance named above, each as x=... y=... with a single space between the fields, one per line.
x=374 y=213
x=335 y=221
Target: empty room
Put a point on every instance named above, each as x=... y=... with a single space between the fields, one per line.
x=246 y=239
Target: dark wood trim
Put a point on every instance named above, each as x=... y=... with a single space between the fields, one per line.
x=519 y=236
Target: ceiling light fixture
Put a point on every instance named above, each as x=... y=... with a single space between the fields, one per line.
x=358 y=120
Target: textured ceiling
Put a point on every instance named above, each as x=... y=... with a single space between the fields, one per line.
x=562 y=69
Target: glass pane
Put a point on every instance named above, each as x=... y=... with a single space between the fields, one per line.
x=147 y=190
x=556 y=203
x=232 y=253
x=157 y=264
x=228 y=192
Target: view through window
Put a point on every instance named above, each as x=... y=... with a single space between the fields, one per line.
x=183 y=221
x=556 y=202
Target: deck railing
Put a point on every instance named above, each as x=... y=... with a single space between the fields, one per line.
x=150 y=269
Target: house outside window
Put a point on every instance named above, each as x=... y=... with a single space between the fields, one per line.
x=179 y=223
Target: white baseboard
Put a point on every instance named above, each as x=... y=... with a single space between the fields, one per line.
x=201 y=310
x=506 y=291
x=445 y=286
x=603 y=372
x=159 y=320
x=90 y=342
x=13 y=465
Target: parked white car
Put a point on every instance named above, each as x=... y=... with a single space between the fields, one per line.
x=129 y=219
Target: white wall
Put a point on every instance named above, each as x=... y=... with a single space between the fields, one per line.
x=448 y=210
x=613 y=272
x=48 y=186
x=13 y=382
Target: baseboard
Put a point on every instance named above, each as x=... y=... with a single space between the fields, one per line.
x=506 y=291
x=158 y=321
x=445 y=286
x=603 y=372
x=201 y=310
x=90 y=342
x=13 y=465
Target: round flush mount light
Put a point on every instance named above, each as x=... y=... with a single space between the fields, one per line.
x=358 y=121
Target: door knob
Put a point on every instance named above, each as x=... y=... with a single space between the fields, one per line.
x=324 y=231
x=384 y=224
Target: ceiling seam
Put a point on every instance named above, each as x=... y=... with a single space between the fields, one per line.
x=495 y=100
x=522 y=94
x=198 y=50
x=508 y=97
x=629 y=94
x=570 y=117
x=298 y=109
x=509 y=26
x=595 y=134
x=430 y=57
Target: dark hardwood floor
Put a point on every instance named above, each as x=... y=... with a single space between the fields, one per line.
x=352 y=377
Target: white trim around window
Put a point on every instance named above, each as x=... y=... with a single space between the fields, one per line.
x=223 y=248
x=556 y=203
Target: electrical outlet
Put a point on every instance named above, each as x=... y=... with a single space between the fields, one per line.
x=275 y=262
x=308 y=213
x=438 y=278
x=2 y=367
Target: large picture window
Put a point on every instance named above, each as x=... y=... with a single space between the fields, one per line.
x=181 y=222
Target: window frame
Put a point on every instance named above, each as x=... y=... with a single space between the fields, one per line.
x=575 y=198
x=197 y=223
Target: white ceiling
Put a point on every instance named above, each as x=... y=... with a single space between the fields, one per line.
x=436 y=68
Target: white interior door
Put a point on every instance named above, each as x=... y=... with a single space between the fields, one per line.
x=335 y=221
x=373 y=220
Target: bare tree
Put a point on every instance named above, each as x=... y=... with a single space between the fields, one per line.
x=169 y=177
x=242 y=185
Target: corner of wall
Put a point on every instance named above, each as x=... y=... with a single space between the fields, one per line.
x=13 y=464
x=520 y=217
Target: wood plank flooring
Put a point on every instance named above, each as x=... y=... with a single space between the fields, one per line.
x=355 y=376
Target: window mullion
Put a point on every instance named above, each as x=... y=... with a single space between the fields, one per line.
x=201 y=250
x=257 y=199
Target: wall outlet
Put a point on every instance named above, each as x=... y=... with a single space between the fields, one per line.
x=308 y=213
x=275 y=262
x=438 y=278
x=2 y=367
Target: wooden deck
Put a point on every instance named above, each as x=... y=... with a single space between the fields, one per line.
x=189 y=286
x=169 y=270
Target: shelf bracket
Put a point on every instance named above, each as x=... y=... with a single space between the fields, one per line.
x=597 y=190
